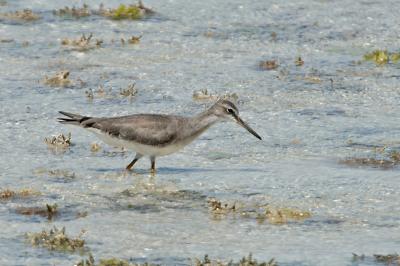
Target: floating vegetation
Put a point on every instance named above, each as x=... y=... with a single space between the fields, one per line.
x=390 y=259
x=130 y=12
x=23 y=193
x=48 y=211
x=76 y=12
x=260 y=213
x=56 y=240
x=382 y=57
x=268 y=65
x=95 y=147
x=217 y=207
x=299 y=61
x=132 y=40
x=25 y=15
x=59 y=141
x=130 y=91
x=60 y=79
x=83 y=43
x=245 y=261
x=205 y=95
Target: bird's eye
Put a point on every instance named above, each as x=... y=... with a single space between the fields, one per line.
x=229 y=110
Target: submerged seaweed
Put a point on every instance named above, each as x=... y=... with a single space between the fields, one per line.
x=49 y=211
x=259 y=212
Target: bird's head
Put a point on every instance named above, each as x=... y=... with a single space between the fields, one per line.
x=227 y=110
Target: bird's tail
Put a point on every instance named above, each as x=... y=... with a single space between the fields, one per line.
x=72 y=119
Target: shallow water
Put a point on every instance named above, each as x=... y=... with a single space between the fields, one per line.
x=308 y=126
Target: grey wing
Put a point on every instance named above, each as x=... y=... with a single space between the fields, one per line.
x=145 y=129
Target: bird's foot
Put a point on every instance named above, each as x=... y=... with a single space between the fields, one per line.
x=153 y=171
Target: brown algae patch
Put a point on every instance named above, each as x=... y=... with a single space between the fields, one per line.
x=131 y=40
x=76 y=12
x=128 y=12
x=60 y=79
x=49 y=211
x=56 y=240
x=382 y=57
x=381 y=159
x=258 y=212
x=268 y=65
x=245 y=261
x=25 y=15
x=12 y=194
x=82 y=44
x=58 y=141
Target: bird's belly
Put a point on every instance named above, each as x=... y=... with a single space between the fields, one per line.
x=143 y=149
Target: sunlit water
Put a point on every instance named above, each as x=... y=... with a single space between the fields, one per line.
x=308 y=126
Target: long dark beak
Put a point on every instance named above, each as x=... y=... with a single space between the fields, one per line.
x=246 y=126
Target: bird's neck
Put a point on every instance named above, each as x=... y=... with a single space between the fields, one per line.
x=201 y=122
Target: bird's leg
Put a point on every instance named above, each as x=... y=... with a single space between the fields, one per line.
x=137 y=157
x=153 y=164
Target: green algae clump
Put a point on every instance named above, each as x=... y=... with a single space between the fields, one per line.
x=126 y=12
x=131 y=12
x=56 y=240
x=382 y=57
x=113 y=262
